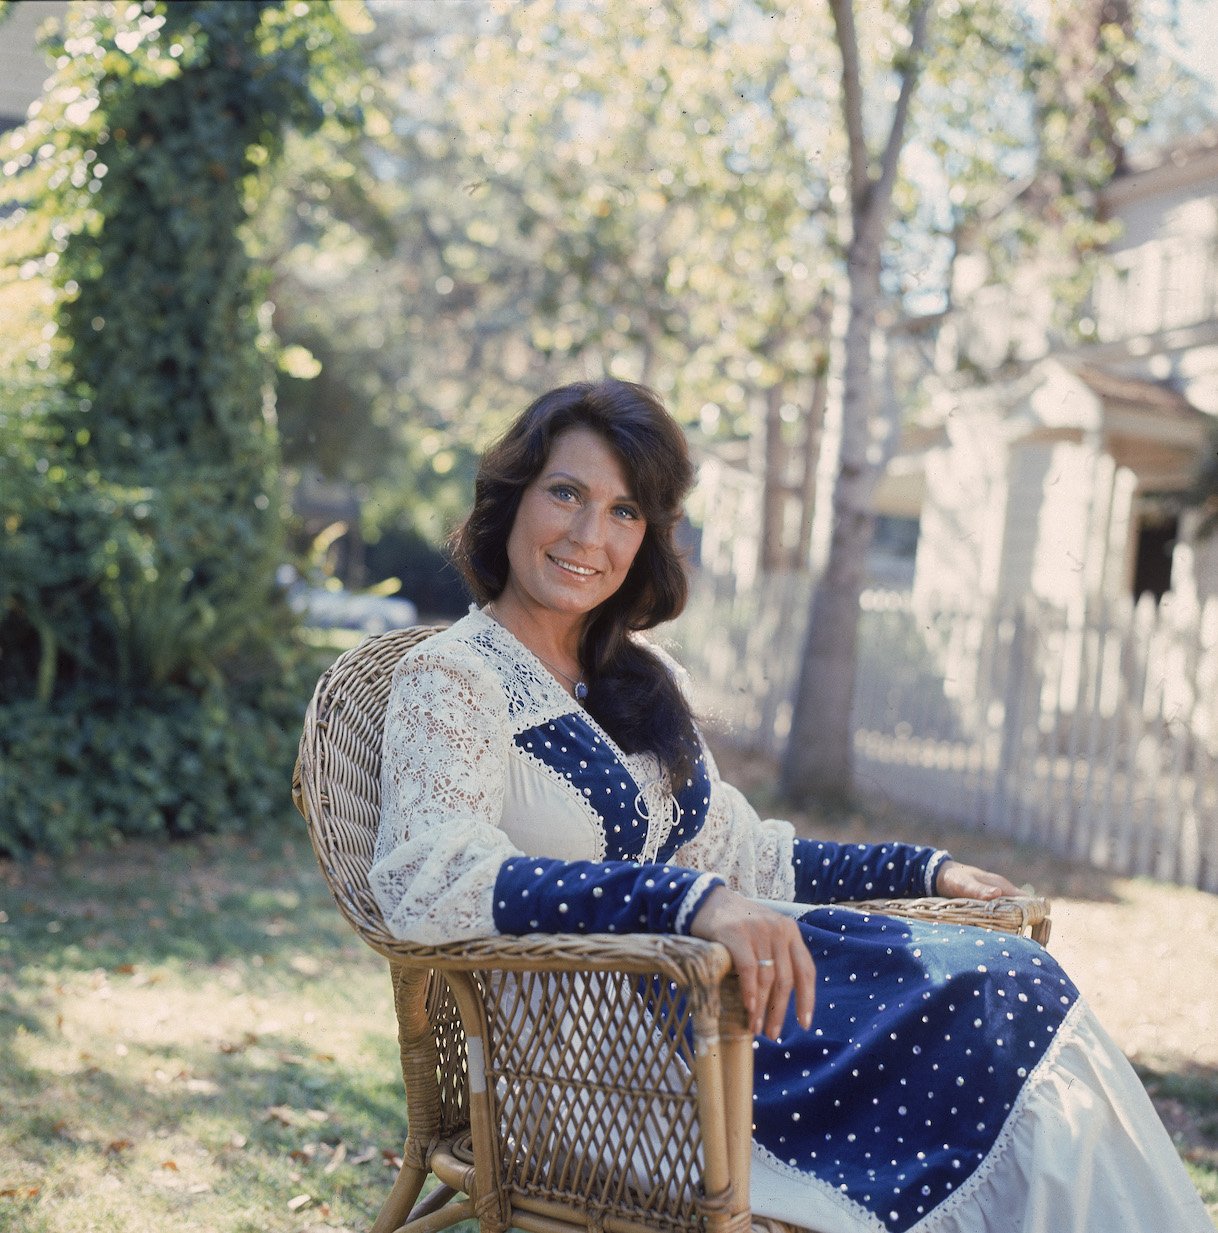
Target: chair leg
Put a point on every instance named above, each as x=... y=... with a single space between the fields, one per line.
x=396 y=1208
x=439 y=1196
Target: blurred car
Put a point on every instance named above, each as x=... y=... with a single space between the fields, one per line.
x=326 y=609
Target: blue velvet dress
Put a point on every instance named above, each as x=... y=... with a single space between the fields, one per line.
x=950 y=1078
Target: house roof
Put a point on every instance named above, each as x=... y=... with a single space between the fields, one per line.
x=1189 y=161
x=1118 y=391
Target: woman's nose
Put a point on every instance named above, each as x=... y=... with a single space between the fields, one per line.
x=588 y=528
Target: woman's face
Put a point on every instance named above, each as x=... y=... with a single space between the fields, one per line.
x=577 y=530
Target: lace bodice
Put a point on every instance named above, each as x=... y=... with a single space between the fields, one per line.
x=487 y=760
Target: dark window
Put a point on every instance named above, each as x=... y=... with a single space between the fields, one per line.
x=895 y=537
x=1152 y=567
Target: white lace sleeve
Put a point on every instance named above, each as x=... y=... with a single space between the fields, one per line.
x=443 y=778
x=752 y=856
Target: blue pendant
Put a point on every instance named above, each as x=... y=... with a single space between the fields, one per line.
x=581 y=691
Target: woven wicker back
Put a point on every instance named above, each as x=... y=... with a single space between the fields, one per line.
x=338 y=775
x=337 y=786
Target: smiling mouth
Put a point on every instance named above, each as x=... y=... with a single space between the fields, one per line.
x=579 y=571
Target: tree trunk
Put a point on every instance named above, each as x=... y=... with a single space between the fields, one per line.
x=819 y=756
x=773 y=555
x=814 y=420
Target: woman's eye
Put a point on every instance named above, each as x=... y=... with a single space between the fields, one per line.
x=628 y=512
x=564 y=493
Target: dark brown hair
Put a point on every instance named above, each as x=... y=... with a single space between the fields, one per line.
x=631 y=693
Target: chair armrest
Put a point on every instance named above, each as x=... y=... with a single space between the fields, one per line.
x=581 y=1028
x=685 y=960
x=1017 y=914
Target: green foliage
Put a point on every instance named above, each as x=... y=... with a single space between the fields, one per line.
x=544 y=192
x=100 y=765
x=554 y=192
x=138 y=454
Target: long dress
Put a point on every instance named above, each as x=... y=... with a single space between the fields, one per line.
x=952 y=1079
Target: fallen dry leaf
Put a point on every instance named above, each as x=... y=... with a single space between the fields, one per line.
x=301 y=1200
x=171 y=1165
x=340 y=1154
x=118 y=1145
x=239 y=1046
x=20 y=1192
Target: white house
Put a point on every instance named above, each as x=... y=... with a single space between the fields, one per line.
x=1053 y=465
x=1040 y=469
x=1038 y=487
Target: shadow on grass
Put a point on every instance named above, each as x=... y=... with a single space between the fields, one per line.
x=247 y=909
x=1185 y=1095
x=255 y=900
x=1192 y=1086
x=263 y=1123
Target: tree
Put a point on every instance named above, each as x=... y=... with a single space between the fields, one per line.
x=140 y=462
x=826 y=684
x=644 y=207
x=1073 y=103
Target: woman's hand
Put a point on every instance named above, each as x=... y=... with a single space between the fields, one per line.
x=754 y=935
x=957 y=881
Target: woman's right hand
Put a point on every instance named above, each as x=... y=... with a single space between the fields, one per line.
x=752 y=933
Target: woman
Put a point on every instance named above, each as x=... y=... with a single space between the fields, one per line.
x=542 y=772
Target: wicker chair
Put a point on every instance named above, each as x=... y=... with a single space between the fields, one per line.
x=553 y=1083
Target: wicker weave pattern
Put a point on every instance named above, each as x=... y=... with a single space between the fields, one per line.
x=580 y=1060
x=445 y=1022
x=563 y=1063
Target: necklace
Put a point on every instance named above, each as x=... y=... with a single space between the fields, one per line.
x=578 y=685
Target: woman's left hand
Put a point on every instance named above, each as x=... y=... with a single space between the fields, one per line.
x=957 y=881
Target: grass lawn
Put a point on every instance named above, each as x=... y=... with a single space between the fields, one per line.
x=190 y=1038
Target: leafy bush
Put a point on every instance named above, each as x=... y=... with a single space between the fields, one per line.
x=144 y=648
x=97 y=766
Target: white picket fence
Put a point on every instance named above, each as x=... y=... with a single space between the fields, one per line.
x=1097 y=738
